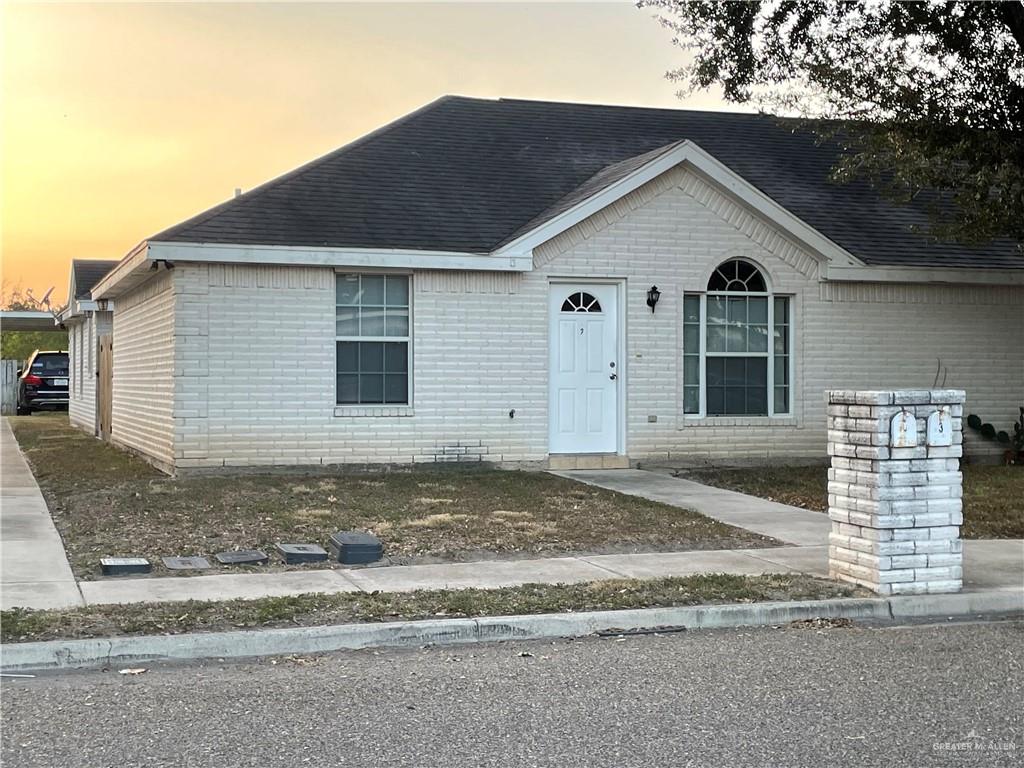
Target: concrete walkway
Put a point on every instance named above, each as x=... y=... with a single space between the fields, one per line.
x=34 y=571
x=792 y=525
x=482 y=575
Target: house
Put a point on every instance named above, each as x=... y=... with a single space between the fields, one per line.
x=88 y=327
x=547 y=284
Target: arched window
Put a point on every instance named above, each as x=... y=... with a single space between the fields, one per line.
x=736 y=346
x=581 y=301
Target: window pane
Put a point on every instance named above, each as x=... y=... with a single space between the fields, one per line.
x=781 y=310
x=716 y=338
x=371 y=388
x=691 y=399
x=691 y=369
x=397 y=287
x=735 y=371
x=396 y=322
x=716 y=401
x=757 y=371
x=371 y=321
x=757 y=401
x=348 y=389
x=396 y=388
x=781 y=340
x=781 y=400
x=757 y=309
x=348 y=289
x=691 y=338
x=757 y=338
x=736 y=338
x=716 y=309
x=735 y=401
x=715 y=369
x=347 y=321
x=396 y=357
x=373 y=289
x=371 y=357
x=691 y=309
x=348 y=357
x=781 y=370
x=737 y=309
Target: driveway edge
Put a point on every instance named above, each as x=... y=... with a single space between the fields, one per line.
x=63 y=654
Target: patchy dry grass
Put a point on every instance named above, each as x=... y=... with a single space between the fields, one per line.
x=20 y=625
x=105 y=502
x=993 y=495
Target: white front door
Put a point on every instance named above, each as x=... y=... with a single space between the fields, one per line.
x=584 y=368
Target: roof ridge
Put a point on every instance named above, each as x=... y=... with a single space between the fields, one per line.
x=209 y=213
x=635 y=107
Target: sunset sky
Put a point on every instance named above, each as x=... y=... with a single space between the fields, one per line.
x=119 y=120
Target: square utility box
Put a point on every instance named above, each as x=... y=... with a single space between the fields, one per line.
x=356 y=547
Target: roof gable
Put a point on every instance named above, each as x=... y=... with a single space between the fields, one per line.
x=85 y=273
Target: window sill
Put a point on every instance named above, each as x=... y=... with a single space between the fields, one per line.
x=374 y=411
x=739 y=421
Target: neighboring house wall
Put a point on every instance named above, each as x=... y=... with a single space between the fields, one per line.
x=83 y=335
x=142 y=413
x=77 y=411
x=255 y=361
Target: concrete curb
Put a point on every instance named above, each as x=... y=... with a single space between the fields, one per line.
x=59 y=654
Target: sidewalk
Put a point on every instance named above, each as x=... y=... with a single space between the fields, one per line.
x=489 y=574
x=34 y=570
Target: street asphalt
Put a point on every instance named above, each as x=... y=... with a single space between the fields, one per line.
x=863 y=696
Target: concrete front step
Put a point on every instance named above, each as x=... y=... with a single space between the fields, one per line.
x=569 y=461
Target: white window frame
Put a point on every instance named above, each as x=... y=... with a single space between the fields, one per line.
x=408 y=339
x=769 y=355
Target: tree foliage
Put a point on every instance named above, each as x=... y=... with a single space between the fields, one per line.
x=926 y=98
x=18 y=345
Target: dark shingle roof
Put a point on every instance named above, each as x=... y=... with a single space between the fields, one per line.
x=464 y=174
x=88 y=272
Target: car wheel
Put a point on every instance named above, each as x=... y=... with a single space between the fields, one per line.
x=23 y=411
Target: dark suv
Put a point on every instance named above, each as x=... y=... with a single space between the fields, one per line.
x=44 y=382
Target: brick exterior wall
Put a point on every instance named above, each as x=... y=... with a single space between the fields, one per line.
x=254 y=367
x=142 y=408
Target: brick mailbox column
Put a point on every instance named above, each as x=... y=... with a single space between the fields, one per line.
x=895 y=489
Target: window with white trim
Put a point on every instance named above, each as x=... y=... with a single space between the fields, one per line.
x=373 y=339
x=737 y=346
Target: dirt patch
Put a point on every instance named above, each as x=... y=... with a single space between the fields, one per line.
x=105 y=502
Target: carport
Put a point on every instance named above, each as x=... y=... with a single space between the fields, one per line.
x=19 y=320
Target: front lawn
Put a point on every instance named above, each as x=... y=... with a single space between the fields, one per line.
x=106 y=502
x=22 y=625
x=993 y=495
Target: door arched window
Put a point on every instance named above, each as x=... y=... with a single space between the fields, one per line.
x=737 y=346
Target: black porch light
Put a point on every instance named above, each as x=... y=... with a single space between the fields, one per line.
x=653 y=294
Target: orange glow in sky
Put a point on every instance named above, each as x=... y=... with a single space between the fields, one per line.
x=120 y=120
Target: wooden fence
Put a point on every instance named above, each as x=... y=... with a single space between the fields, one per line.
x=9 y=387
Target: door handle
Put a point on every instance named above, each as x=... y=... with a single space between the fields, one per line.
x=613 y=376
